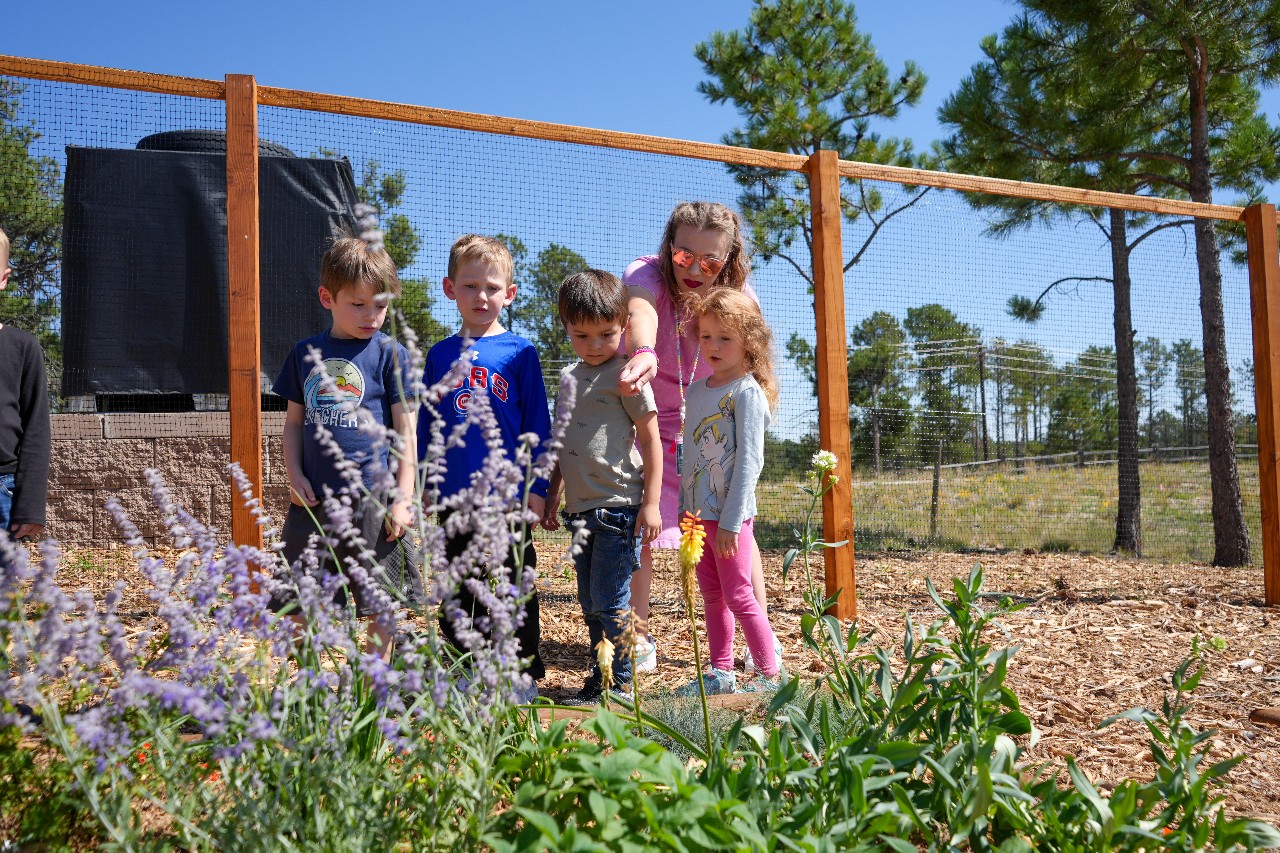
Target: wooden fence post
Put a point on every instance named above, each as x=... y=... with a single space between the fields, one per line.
x=1264 y=308
x=833 y=377
x=244 y=345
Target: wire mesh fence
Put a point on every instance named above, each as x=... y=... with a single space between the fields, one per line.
x=975 y=429
x=971 y=429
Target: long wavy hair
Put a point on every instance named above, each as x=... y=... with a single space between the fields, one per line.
x=741 y=315
x=706 y=216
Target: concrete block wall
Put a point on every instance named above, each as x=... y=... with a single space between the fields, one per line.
x=96 y=456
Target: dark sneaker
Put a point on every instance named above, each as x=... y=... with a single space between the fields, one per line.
x=592 y=690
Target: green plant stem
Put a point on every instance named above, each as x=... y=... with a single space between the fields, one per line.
x=807 y=545
x=702 y=684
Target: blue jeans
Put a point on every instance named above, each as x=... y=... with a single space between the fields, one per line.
x=7 y=482
x=604 y=567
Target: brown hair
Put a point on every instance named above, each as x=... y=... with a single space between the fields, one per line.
x=741 y=315
x=593 y=296
x=478 y=247
x=707 y=216
x=351 y=260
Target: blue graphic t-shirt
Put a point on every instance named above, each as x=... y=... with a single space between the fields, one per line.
x=364 y=372
x=507 y=366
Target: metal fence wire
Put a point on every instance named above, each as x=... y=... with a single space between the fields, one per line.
x=976 y=424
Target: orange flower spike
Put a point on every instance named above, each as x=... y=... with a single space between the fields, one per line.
x=692 y=535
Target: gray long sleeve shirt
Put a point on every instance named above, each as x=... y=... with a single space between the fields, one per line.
x=723 y=450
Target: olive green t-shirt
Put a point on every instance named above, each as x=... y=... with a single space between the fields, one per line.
x=599 y=462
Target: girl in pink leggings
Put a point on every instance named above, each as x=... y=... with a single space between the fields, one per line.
x=726 y=415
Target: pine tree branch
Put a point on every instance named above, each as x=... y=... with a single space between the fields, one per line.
x=1177 y=223
x=878 y=225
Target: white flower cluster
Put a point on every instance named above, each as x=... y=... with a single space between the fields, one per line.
x=825 y=460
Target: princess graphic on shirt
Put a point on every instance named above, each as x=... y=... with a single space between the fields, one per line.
x=716 y=447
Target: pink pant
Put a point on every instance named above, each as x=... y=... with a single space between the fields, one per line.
x=725 y=584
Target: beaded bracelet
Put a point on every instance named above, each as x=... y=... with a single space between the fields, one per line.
x=653 y=352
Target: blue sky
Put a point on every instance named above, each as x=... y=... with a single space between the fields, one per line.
x=618 y=66
x=614 y=66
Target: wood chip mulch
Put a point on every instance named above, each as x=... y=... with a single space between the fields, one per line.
x=1097 y=636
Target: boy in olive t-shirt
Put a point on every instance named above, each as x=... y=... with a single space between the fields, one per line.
x=610 y=487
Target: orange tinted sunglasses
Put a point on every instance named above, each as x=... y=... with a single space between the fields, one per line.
x=684 y=259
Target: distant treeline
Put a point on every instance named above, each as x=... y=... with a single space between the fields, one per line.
x=930 y=384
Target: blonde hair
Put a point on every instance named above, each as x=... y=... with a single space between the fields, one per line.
x=706 y=216
x=741 y=315
x=350 y=261
x=4 y=249
x=478 y=247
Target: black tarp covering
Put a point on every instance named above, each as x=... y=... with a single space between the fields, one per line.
x=144 y=276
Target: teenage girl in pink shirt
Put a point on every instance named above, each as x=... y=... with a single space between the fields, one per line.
x=702 y=248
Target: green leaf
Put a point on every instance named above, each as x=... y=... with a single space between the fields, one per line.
x=786 y=693
x=542 y=821
x=1013 y=722
x=1090 y=793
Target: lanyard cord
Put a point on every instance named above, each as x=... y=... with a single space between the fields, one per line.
x=679 y=439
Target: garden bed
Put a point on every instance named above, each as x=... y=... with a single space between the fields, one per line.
x=1086 y=650
x=1085 y=653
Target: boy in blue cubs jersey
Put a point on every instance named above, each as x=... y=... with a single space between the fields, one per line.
x=506 y=366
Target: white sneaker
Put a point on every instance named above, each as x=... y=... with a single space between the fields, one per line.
x=749 y=666
x=646 y=655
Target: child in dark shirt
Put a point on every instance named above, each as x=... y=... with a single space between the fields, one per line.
x=24 y=425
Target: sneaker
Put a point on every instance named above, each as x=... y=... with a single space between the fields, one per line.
x=624 y=693
x=764 y=684
x=749 y=666
x=646 y=655
x=718 y=682
x=590 y=693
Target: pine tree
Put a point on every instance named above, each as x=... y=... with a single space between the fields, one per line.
x=1155 y=361
x=878 y=358
x=804 y=78
x=1049 y=104
x=1194 y=68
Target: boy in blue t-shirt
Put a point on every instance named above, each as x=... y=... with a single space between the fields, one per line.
x=368 y=369
x=480 y=281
